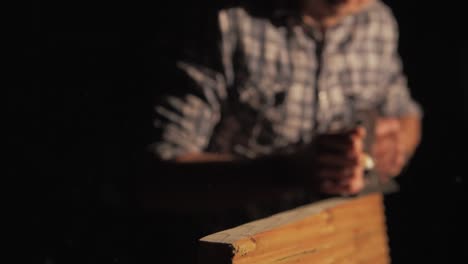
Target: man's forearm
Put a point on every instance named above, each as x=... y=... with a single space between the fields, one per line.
x=226 y=169
x=204 y=157
x=214 y=181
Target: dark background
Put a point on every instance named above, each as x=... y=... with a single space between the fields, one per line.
x=82 y=116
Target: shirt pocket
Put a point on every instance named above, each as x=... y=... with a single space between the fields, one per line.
x=346 y=91
x=361 y=83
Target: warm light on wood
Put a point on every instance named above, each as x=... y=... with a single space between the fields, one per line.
x=338 y=230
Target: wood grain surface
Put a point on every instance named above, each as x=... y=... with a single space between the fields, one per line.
x=337 y=230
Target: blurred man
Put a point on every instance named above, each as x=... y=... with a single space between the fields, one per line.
x=276 y=105
x=288 y=85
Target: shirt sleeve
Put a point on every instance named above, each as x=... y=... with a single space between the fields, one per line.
x=186 y=117
x=397 y=100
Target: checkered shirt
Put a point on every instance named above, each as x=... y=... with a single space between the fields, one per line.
x=280 y=82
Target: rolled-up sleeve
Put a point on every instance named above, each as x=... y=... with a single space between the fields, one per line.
x=186 y=117
x=397 y=101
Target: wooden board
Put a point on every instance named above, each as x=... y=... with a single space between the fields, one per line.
x=338 y=230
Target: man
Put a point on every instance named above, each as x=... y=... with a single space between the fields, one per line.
x=292 y=80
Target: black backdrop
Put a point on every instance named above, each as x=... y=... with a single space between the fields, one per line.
x=82 y=116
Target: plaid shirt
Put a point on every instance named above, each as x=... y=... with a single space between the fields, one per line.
x=280 y=82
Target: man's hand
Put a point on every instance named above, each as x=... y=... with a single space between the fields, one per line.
x=389 y=148
x=339 y=165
